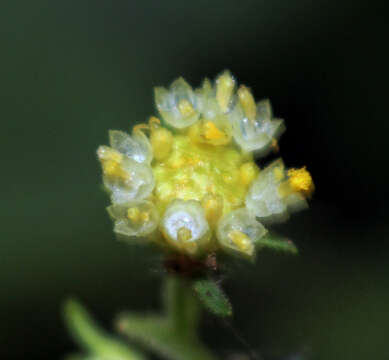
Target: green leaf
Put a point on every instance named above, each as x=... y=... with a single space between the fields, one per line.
x=92 y=338
x=212 y=297
x=158 y=334
x=277 y=243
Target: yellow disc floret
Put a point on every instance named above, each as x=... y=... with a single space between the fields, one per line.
x=301 y=181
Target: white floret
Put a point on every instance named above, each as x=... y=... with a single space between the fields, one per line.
x=167 y=102
x=241 y=222
x=187 y=215
x=136 y=147
x=129 y=227
x=207 y=102
x=264 y=199
x=138 y=185
x=256 y=135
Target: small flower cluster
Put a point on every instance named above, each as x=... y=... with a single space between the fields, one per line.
x=192 y=185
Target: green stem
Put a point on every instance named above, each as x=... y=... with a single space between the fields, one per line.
x=181 y=305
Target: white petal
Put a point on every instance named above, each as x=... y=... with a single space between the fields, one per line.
x=264 y=110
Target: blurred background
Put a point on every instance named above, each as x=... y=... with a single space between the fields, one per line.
x=71 y=70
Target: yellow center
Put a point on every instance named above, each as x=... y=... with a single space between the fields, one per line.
x=218 y=176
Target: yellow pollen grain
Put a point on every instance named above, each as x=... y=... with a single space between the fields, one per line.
x=242 y=241
x=300 y=180
x=211 y=132
x=185 y=107
x=224 y=88
x=247 y=101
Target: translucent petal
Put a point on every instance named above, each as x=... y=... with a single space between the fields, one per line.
x=178 y=105
x=264 y=110
x=136 y=185
x=212 y=113
x=225 y=85
x=134 y=218
x=208 y=104
x=204 y=94
x=137 y=146
x=256 y=135
x=185 y=227
x=238 y=232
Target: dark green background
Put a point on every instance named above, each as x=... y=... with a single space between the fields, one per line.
x=71 y=70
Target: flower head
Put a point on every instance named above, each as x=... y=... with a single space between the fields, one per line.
x=193 y=187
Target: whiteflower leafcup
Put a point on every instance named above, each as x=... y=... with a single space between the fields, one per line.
x=189 y=182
